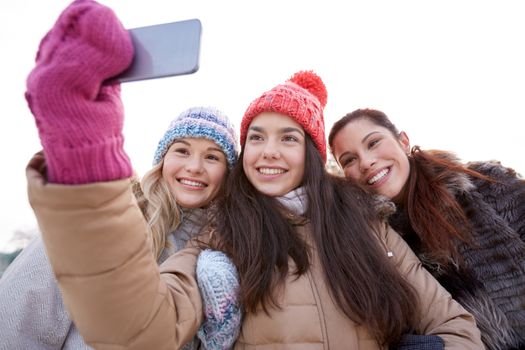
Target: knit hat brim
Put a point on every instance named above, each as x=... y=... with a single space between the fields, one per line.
x=200 y=122
x=301 y=98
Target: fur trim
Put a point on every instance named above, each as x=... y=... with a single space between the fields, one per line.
x=494 y=169
x=496 y=332
x=383 y=206
x=456 y=182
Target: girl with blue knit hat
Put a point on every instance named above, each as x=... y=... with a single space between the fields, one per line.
x=317 y=269
x=190 y=165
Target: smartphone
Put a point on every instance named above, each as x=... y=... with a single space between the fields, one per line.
x=164 y=50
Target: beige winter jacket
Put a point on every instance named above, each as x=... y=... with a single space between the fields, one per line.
x=95 y=237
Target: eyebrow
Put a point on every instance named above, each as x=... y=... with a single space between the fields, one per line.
x=282 y=130
x=290 y=129
x=182 y=141
x=189 y=145
x=368 y=135
x=215 y=149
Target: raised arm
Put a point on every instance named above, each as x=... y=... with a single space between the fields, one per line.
x=95 y=236
x=94 y=233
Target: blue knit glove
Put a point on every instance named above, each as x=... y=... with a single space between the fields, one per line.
x=219 y=285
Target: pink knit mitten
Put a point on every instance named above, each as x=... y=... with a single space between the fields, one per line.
x=80 y=117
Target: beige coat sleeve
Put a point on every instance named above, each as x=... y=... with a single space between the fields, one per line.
x=440 y=314
x=95 y=237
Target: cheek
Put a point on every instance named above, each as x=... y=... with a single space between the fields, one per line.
x=351 y=174
x=248 y=157
x=299 y=172
x=219 y=176
x=300 y=168
x=171 y=167
x=167 y=173
x=405 y=169
x=244 y=160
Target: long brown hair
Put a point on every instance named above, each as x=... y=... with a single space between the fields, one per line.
x=433 y=210
x=253 y=230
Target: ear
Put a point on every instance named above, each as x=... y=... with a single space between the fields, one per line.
x=404 y=141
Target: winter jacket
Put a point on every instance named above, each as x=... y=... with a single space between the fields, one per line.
x=119 y=299
x=32 y=313
x=489 y=281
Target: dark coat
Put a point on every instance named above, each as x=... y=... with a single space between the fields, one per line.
x=490 y=280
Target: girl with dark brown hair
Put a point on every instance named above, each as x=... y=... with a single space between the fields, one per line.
x=466 y=222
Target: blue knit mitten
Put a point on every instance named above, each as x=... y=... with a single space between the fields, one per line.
x=219 y=285
x=421 y=342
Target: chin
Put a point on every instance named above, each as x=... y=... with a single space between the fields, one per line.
x=190 y=204
x=272 y=193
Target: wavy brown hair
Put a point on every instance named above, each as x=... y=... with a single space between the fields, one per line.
x=253 y=229
x=433 y=210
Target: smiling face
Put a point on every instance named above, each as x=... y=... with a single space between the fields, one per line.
x=274 y=154
x=194 y=169
x=372 y=156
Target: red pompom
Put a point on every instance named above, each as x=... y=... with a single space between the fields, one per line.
x=312 y=82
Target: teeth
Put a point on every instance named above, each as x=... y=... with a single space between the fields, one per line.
x=378 y=177
x=191 y=183
x=270 y=171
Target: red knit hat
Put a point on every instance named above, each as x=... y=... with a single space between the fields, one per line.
x=302 y=98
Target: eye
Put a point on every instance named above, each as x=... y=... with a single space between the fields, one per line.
x=373 y=143
x=182 y=151
x=290 y=138
x=212 y=157
x=346 y=161
x=254 y=137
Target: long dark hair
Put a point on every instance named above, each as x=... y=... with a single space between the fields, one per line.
x=434 y=212
x=253 y=229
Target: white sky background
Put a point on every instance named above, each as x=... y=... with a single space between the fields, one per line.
x=450 y=73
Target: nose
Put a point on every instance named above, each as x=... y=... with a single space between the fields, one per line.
x=272 y=155
x=271 y=152
x=367 y=162
x=194 y=165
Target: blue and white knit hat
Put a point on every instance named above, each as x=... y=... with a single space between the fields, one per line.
x=201 y=122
